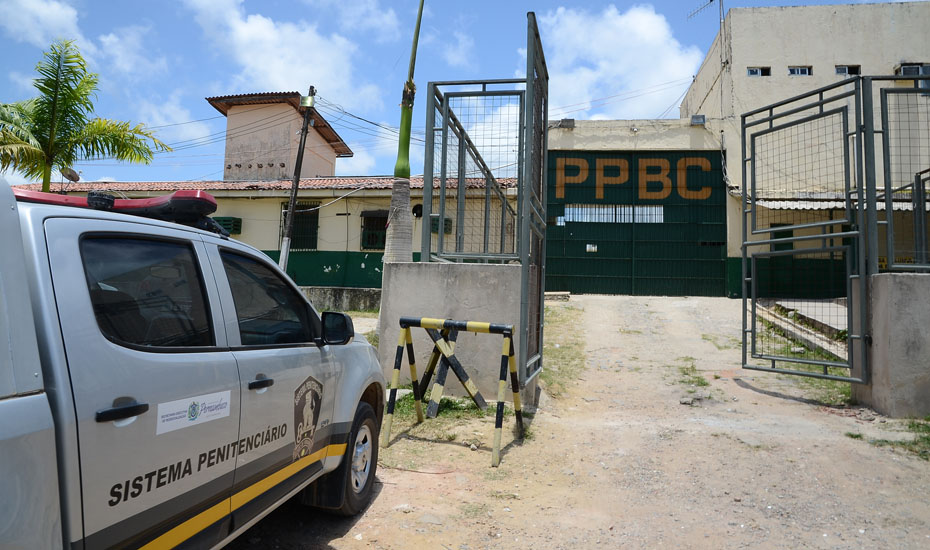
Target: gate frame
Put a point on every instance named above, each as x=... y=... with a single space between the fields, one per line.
x=918 y=194
x=864 y=211
x=531 y=190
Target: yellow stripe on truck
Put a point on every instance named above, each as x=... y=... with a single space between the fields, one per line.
x=217 y=512
x=191 y=527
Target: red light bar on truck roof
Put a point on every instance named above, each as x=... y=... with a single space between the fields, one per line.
x=186 y=206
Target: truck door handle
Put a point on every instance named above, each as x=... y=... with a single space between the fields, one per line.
x=120 y=412
x=260 y=383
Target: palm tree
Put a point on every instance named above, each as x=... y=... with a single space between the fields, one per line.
x=398 y=245
x=55 y=129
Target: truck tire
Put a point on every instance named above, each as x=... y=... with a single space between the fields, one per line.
x=361 y=461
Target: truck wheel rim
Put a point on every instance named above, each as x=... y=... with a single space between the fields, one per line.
x=361 y=459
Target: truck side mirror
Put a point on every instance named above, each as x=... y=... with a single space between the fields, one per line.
x=337 y=328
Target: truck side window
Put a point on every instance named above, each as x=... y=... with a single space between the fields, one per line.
x=268 y=309
x=146 y=292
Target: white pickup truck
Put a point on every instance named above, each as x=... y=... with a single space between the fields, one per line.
x=162 y=385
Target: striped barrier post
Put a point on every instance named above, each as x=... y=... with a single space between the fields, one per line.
x=431 y=367
x=508 y=362
x=413 y=375
x=443 y=333
x=405 y=339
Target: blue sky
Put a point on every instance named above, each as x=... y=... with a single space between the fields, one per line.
x=159 y=59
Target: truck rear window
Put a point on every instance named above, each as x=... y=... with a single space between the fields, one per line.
x=146 y=292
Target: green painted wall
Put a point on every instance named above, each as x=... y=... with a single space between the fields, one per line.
x=734 y=273
x=788 y=277
x=615 y=249
x=331 y=268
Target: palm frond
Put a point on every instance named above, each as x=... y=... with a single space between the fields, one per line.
x=120 y=140
x=66 y=91
x=19 y=149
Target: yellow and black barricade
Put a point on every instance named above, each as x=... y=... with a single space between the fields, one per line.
x=443 y=333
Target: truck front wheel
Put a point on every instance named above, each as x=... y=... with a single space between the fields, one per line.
x=361 y=461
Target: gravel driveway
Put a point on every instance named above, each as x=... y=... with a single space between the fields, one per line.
x=637 y=453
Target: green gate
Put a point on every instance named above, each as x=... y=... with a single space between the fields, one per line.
x=640 y=223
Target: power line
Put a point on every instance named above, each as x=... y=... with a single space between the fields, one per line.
x=182 y=123
x=632 y=94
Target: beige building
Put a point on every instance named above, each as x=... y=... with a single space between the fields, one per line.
x=263 y=136
x=765 y=55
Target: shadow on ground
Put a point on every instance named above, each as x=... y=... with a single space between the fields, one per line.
x=779 y=395
x=314 y=529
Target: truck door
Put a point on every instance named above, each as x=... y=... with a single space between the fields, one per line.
x=156 y=389
x=287 y=393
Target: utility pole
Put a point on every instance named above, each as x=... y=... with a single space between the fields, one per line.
x=307 y=103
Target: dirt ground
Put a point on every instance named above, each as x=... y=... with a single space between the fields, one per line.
x=622 y=460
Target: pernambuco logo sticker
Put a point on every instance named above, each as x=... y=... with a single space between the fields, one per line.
x=192 y=411
x=307 y=400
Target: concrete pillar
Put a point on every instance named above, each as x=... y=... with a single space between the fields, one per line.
x=468 y=292
x=899 y=357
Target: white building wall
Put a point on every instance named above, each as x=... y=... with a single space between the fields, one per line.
x=340 y=223
x=876 y=37
x=262 y=143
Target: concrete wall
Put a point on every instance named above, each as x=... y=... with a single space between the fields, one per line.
x=262 y=143
x=469 y=292
x=900 y=353
x=632 y=135
x=332 y=298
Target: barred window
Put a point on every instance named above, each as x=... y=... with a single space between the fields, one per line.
x=306 y=225
x=374 y=229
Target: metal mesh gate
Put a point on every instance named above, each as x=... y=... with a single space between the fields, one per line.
x=905 y=136
x=834 y=190
x=802 y=251
x=483 y=182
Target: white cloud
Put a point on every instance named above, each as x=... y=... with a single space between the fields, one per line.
x=366 y=16
x=360 y=164
x=461 y=53
x=283 y=56
x=22 y=81
x=171 y=112
x=614 y=65
x=14 y=178
x=127 y=54
x=41 y=22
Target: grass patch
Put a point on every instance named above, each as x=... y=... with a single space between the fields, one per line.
x=474 y=510
x=449 y=408
x=564 y=349
x=828 y=392
x=918 y=446
x=853 y=435
x=690 y=375
x=722 y=342
x=364 y=313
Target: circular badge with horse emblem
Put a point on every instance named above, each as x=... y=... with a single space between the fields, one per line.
x=307 y=399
